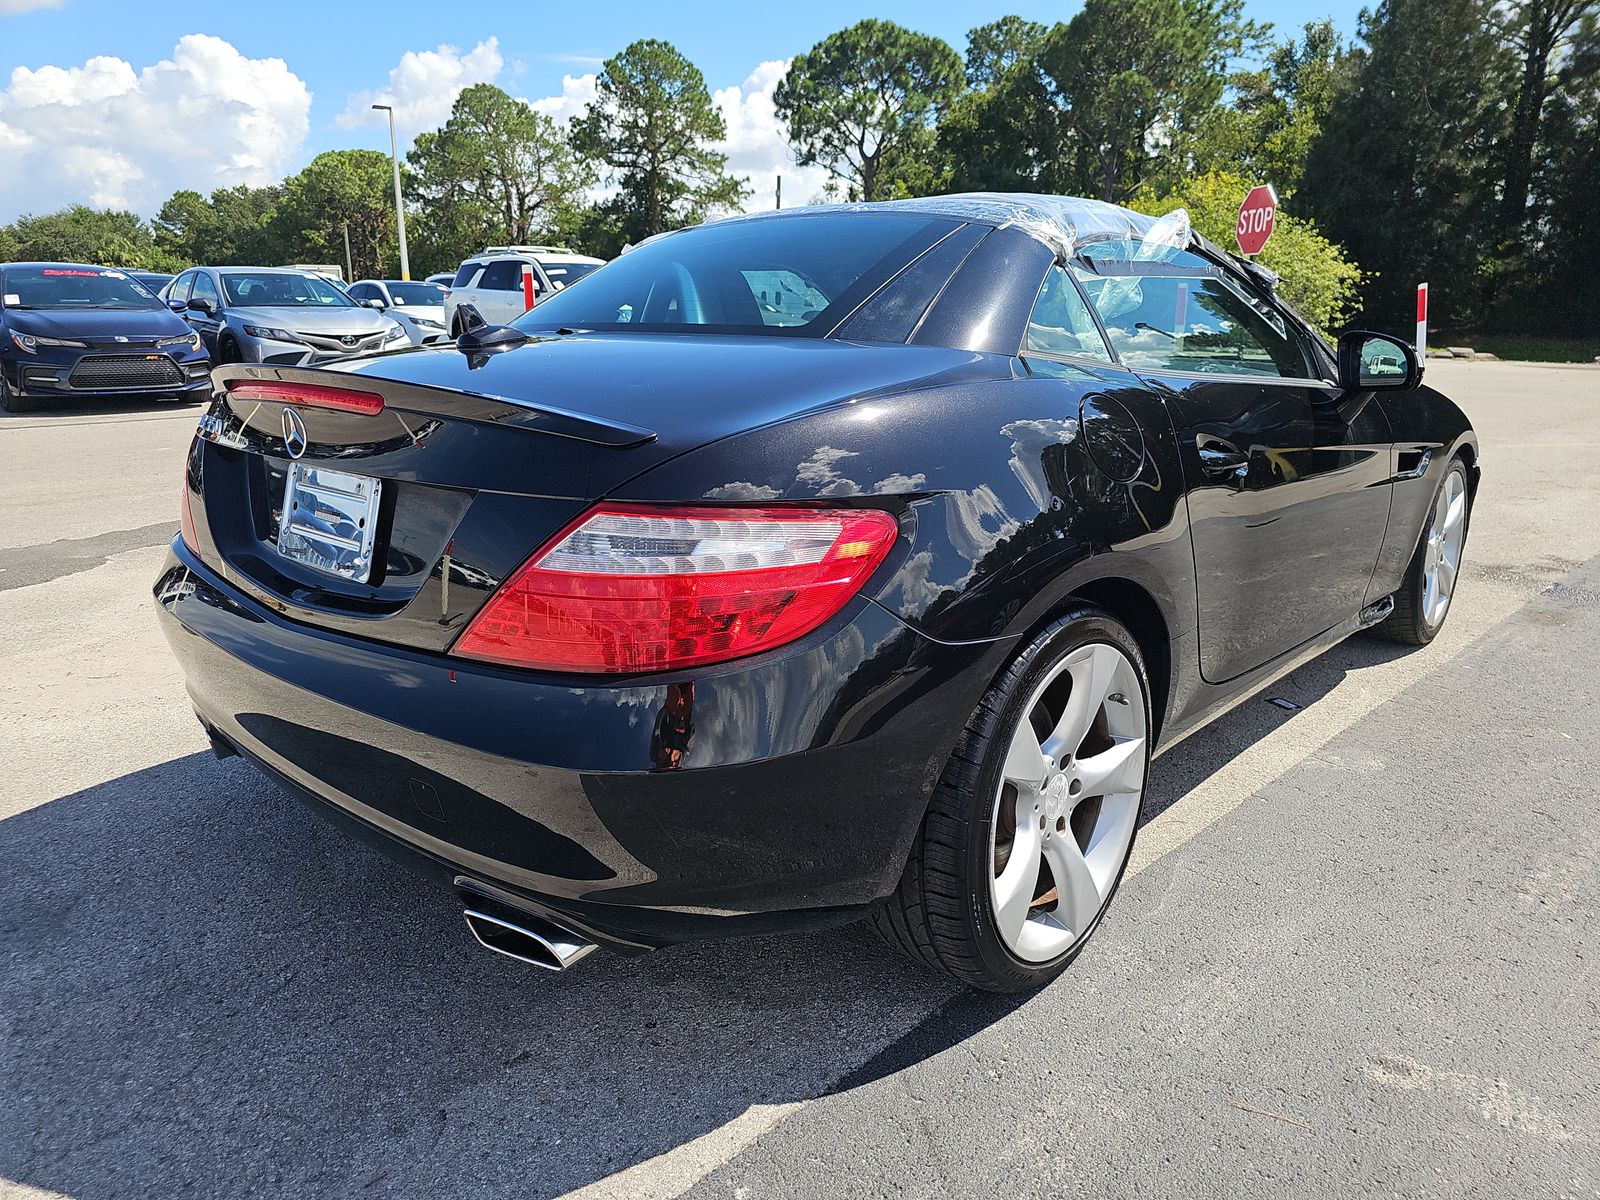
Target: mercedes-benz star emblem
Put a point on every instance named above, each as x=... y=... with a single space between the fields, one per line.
x=294 y=433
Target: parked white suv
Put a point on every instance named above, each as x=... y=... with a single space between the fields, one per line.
x=491 y=280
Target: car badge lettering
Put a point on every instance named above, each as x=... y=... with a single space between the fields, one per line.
x=294 y=433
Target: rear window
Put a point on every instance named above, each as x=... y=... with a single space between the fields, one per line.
x=786 y=275
x=72 y=288
x=502 y=276
x=465 y=274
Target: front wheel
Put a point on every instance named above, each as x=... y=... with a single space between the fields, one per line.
x=11 y=402
x=1423 y=601
x=1033 y=819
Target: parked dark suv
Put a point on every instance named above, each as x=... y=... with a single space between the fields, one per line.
x=72 y=330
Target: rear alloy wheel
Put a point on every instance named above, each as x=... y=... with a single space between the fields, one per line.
x=1033 y=820
x=1423 y=601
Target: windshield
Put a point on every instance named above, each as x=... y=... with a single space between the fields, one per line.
x=73 y=288
x=789 y=275
x=412 y=294
x=568 y=273
x=282 y=289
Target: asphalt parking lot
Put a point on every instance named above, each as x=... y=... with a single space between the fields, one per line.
x=1356 y=955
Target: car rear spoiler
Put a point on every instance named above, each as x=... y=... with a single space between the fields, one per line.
x=449 y=403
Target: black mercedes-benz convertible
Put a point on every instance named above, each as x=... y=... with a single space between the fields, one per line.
x=803 y=567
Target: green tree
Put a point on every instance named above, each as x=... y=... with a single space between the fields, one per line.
x=1557 y=293
x=652 y=125
x=1132 y=82
x=862 y=103
x=1314 y=274
x=236 y=225
x=496 y=171
x=995 y=48
x=1536 y=32
x=1403 y=172
x=1275 y=113
x=339 y=188
x=83 y=234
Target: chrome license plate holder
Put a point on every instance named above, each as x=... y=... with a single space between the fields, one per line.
x=329 y=520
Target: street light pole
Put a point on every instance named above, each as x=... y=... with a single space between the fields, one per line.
x=399 y=207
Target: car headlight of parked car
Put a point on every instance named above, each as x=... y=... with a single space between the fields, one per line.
x=427 y=324
x=29 y=343
x=394 y=334
x=191 y=340
x=270 y=333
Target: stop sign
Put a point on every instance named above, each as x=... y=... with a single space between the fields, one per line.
x=1256 y=216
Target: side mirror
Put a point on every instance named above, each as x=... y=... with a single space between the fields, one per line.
x=177 y=305
x=1376 y=362
x=201 y=305
x=377 y=303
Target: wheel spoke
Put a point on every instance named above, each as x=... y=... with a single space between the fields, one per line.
x=1015 y=888
x=1119 y=769
x=1092 y=670
x=1455 y=513
x=1026 y=764
x=1079 y=895
x=1447 y=576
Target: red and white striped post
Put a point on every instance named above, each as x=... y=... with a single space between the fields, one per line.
x=1422 y=321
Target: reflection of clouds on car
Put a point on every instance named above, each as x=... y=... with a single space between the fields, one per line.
x=1029 y=440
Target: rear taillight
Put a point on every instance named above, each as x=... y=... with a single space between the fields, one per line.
x=648 y=589
x=311 y=395
x=186 y=514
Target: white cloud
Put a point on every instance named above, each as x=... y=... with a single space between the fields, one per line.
x=10 y=8
x=756 y=146
x=423 y=86
x=107 y=135
x=576 y=93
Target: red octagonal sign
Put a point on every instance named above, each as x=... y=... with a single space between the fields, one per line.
x=1256 y=217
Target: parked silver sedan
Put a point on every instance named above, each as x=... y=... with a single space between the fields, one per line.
x=278 y=315
x=417 y=306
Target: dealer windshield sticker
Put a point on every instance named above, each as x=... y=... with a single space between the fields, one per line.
x=11 y=298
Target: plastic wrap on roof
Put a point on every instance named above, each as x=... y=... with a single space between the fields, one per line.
x=1064 y=223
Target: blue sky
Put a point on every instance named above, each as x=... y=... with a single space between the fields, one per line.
x=156 y=111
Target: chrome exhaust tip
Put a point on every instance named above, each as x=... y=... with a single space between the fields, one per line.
x=528 y=939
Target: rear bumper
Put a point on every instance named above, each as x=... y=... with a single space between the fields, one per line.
x=783 y=793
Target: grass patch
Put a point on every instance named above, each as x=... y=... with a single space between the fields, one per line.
x=1523 y=348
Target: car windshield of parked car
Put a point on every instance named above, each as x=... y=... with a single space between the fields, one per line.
x=73 y=288
x=279 y=289
x=415 y=295
x=568 y=273
x=784 y=275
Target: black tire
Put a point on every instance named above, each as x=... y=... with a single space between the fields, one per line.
x=941 y=913
x=1408 y=623
x=228 y=351
x=13 y=403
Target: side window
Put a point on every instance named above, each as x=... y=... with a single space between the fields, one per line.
x=502 y=276
x=204 y=289
x=179 y=288
x=1183 y=313
x=361 y=291
x=465 y=274
x=1061 y=323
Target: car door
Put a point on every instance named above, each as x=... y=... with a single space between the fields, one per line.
x=209 y=325
x=501 y=289
x=1288 y=499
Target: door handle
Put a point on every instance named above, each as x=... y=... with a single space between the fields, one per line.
x=1221 y=457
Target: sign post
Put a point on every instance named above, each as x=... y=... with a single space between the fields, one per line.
x=1257 y=216
x=527 y=287
x=1422 y=321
